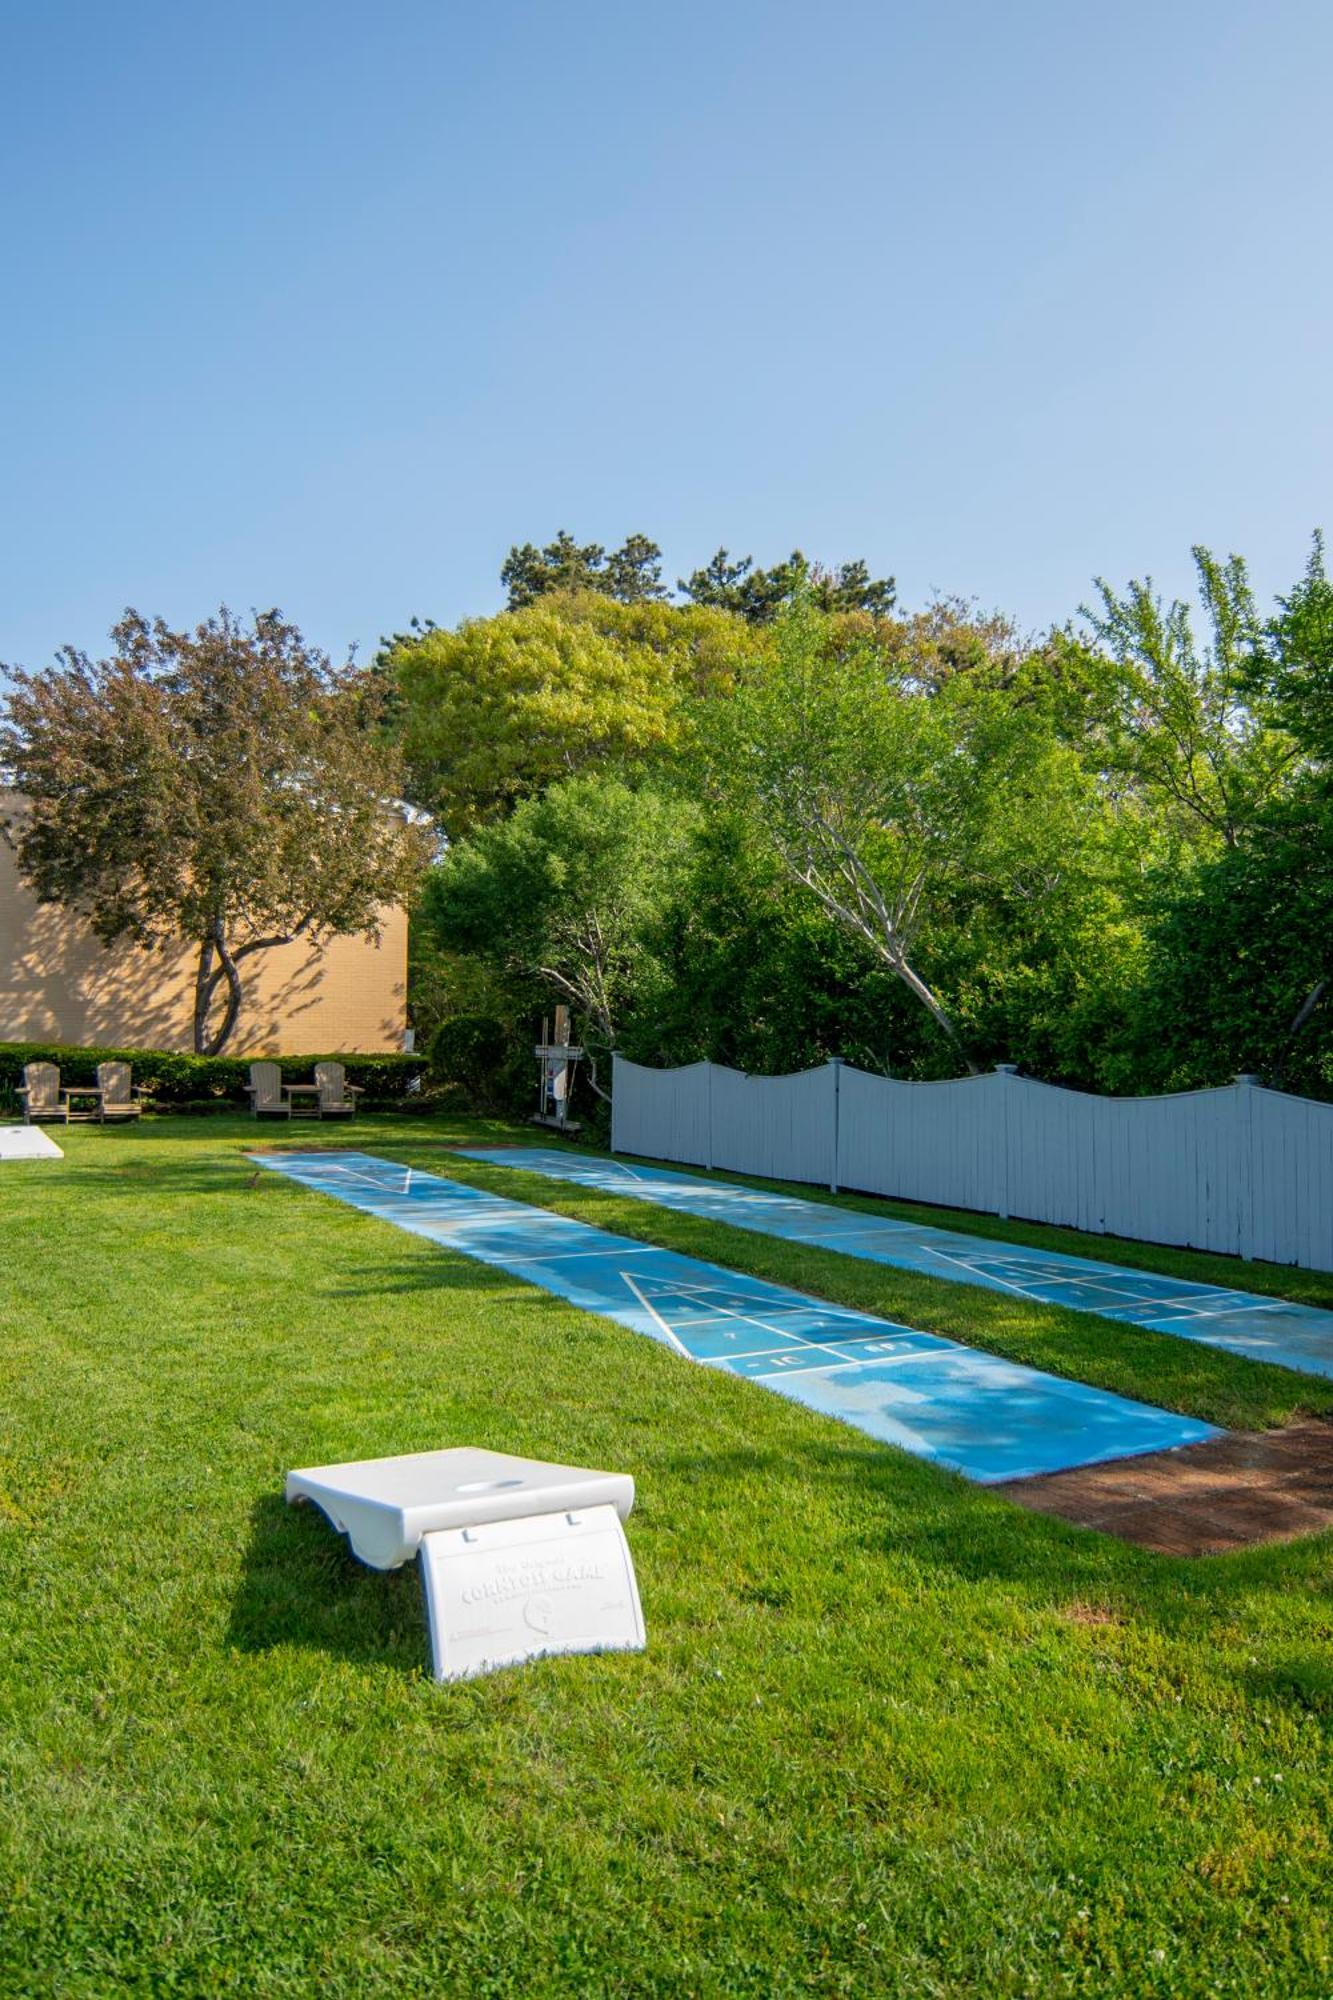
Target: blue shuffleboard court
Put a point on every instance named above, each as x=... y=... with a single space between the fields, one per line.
x=1264 y=1329
x=984 y=1417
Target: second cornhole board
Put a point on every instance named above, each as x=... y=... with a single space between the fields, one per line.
x=519 y=1558
x=27 y=1142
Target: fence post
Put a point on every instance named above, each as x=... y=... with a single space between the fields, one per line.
x=1245 y=1105
x=1004 y=1069
x=708 y=1116
x=835 y=1064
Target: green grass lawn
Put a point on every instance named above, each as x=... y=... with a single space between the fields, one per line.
x=891 y=1735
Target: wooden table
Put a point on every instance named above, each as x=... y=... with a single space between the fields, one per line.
x=93 y=1090
x=294 y=1090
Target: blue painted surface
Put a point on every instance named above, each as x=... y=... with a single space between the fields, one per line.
x=1264 y=1329
x=987 y=1418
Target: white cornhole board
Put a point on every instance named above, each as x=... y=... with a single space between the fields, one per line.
x=27 y=1142
x=518 y=1558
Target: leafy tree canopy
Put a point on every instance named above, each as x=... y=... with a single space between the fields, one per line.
x=925 y=839
x=567 y=891
x=887 y=804
x=1240 y=962
x=632 y=574
x=1177 y=718
x=1293 y=666
x=750 y=969
x=226 y=786
x=497 y=710
x=757 y=595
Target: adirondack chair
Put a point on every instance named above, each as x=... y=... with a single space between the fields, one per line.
x=265 y=1091
x=40 y=1092
x=337 y=1098
x=119 y=1098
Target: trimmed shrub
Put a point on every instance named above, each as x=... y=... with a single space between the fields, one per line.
x=488 y=1059
x=178 y=1082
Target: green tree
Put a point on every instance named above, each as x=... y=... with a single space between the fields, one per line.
x=1177 y=717
x=748 y=969
x=719 y=583
x=1217 y=757
x=757 y=595
x=1240 y=962
x=497 y=710
x=1293 y=668
x=889 y=805
x=567 y=891
x=564 y=564
x=226 y=786
x=632 y=573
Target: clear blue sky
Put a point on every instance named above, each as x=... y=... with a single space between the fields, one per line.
x=323 y=305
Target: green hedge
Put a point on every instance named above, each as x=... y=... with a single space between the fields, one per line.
x=487 y=1059
x=203 y=1083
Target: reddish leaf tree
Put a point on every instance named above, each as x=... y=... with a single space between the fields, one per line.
x=227 y=786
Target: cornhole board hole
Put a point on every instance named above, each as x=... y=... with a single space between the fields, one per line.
x=27 y=1142
x=518 y=1558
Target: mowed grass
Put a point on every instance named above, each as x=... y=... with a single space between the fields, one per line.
x=891 y=1735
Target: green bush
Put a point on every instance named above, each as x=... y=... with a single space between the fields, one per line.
x=179 y=1082
x=486 y=1058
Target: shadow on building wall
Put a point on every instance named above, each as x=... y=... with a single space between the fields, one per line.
x=58 y=983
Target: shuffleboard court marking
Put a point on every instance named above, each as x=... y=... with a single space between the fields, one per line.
x=399 y=1181
x=962 y=1265
x=570 y=1256
x=723 y=1313
x=673 y=1339
x=1244 y=1323
x=985 y=1417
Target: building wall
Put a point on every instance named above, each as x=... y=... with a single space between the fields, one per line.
x=59 y=984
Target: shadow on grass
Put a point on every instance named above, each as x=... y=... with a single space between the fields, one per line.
x=152 y=1179
x=438 y=1129
x=1302 y=1681
x=302 y=1586
x=447 y=1271
x=223 y=1171
x=947 y=1528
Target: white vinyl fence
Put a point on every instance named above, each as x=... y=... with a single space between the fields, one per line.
x=1242 y=1169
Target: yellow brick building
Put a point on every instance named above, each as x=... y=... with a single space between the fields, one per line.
x=59 y=984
